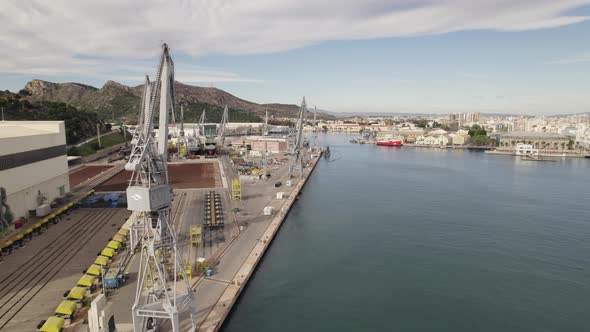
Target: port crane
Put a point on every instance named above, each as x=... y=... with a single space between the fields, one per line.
x=297 y=157
x=158 y=296
x=202 y=124
x=224 y=121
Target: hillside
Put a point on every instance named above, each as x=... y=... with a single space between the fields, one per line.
x=80 y=124
x=121 y=102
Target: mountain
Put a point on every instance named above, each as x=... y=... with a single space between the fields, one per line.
x=115 y=101
x=79 y=124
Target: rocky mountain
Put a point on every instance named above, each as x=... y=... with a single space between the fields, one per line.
x=115 y=101
x=79 y=124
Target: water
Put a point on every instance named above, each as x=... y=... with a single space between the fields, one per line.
x=412 y=239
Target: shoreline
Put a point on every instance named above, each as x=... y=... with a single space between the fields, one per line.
x=492 y=150
x=223 y=306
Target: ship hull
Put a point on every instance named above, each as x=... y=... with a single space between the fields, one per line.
x=389 y=143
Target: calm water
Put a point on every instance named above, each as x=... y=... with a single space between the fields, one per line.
x=410 y=239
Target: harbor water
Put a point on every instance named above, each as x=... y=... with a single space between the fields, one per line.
x=416 y=239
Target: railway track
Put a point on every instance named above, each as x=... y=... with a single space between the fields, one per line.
x=98 y=179
x=22 y=285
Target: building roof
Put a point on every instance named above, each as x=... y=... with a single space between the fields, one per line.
x=9 y=129
x=532 y=135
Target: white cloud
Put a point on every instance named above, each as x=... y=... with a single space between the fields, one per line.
x=96 y=38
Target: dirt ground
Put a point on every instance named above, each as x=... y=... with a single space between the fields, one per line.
x=182 y=176
x=86 y=172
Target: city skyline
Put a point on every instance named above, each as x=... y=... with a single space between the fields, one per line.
x=419 y=57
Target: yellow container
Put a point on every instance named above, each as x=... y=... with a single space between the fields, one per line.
x=77 y=293
x=53 y=324
x=119 y=238
x=66 y=307
x=86 y=280
x=94 y=270
x=101 y=260
x=114 y=245
x=108 y=252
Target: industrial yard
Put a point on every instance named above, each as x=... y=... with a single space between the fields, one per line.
x=35 y=276
x=160 y=235
x=186 y=175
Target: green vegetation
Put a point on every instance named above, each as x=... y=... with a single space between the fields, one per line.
x=422 y=123
x=124 y=105
x=476 y=130
x=92 y=147
x=276 y=122
x=80 y=125
x=479 y=136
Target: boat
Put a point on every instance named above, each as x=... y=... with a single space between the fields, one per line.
x=389 y=142
x=532 y=157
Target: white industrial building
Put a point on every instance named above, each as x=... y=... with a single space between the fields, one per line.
x=33 y=163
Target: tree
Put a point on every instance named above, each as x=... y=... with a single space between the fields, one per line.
x=422 y=123
x=481 y=140
x=476 y=130
x=24 y=93
x=570 y=145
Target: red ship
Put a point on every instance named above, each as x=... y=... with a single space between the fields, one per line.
x=389 y=142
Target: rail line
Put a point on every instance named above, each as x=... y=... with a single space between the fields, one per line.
x=35 y=279
x=98 y=179
x=42 y=252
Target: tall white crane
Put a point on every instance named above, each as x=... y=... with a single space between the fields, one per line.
x=181 y=133
x=224 y=121
x=202 y=124
x=315 y=116
x=297 y=158
x=149 y=196
x=264 y=157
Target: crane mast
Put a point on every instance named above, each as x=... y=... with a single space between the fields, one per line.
x=224 y=121
x=202 y=124
x=149 y=196
x=297 y=159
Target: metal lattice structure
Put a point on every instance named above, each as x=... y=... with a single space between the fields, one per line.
x=159 y=295
x=297 y=154
x=224 y=121
x=202 y=124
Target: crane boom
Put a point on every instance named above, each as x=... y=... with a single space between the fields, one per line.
x=149 y=196
x=297 y=161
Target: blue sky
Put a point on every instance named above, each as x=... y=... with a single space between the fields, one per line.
x=532 y=59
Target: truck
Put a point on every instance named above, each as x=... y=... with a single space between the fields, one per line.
x=114 y=278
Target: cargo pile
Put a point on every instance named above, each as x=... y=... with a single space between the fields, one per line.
x=213 y=211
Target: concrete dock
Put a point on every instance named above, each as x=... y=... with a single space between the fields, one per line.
x=230 y=285
x=233 y=252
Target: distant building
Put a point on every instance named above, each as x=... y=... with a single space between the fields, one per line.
x=432 y=140
x=459 y=139
x=525 y=149
x=462 y=118
x=539 y=140
x=273 y=144
x=33 y=163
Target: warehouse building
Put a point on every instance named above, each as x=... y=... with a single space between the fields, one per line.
x=539 y=140
x=33 y=164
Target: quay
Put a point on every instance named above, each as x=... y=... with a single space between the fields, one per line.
x=224 y=303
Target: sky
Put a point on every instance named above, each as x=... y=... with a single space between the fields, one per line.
x=420 y=56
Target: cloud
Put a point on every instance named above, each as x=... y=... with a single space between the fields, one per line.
x=577 y=58
x=97 y=38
